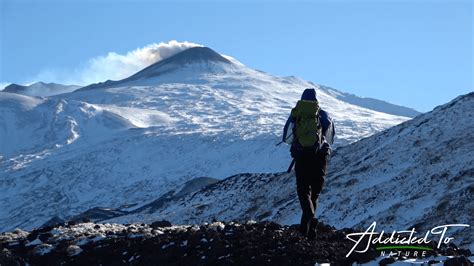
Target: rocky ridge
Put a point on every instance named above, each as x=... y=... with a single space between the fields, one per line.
x=216 y=243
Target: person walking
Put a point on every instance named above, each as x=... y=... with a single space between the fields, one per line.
x=310 y=132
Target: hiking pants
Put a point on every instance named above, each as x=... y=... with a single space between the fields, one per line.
x=310 y=169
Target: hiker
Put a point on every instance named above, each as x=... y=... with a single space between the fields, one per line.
x=310 y=131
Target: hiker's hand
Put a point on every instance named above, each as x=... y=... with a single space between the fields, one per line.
x=293 y=151
x=325 y=149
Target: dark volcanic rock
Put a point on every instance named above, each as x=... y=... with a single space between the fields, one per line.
x=55 y=221
x=97 y=214
x=160 y=224
x=252 y=243
x=458 y=261
x=386 y=261
x=7 y=258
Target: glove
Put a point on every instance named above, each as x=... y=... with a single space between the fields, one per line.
x=325 y=149
x=293 y=151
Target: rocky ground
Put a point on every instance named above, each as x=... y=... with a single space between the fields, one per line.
x=160 y=243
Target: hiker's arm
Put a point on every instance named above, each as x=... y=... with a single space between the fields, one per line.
x=328 y=127
x=288 y=130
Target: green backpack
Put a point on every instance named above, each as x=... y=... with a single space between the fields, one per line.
x=308 y=127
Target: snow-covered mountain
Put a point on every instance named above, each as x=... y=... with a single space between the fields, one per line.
x=419 y=173
x=123 y=144
x=40 y=89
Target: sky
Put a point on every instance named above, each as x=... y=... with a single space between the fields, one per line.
x=417 y=54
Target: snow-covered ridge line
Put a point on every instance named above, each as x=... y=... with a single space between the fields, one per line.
x=40 y=89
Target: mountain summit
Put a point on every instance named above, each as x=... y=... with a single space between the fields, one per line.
x=194 y=61
x=195 y=55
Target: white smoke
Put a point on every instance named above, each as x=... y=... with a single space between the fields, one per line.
x=3 y=85
x=115 y=66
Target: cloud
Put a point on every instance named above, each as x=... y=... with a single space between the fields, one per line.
x=114 y=66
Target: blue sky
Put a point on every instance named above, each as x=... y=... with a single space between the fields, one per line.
x=414 y=53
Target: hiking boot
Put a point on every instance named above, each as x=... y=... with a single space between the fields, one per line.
x=313 y=229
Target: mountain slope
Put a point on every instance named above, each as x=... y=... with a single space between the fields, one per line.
x=40 y=89
x=374 y=104
x=419 y=173
x=126 y=143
